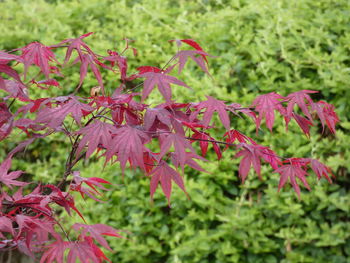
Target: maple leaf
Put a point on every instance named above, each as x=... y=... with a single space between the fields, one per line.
x=92 y=61
x=92 y=182
x=97 y=232
x=16 y=89
x=303 y=123
x=46 y=83
x=180 y=144
x=300 y=98
x=78 y=44
x=189 y=161
x=6 y=226
x=251 y=157
x=212 y=105
x=97 y=251
x=81 y=250
x=326 y=114
x=235 y=107
x=266 y=105
x=154 y=114
x=164 y=175
x=54 y=117
x=5 y=114
x=34 y=229
x=10 y=72
x=55 y=252
x=200 y=60
x=204 y=139
x=8 y=178
x=63 y=199
x=37 y=54
x=321 y=170
x=233 y=135
x=292 y=171
x=162 y=81
x=95 y=134
x=128 y=144
x=121 y=61
x=6 y=57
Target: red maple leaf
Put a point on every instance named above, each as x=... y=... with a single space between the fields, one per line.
x=6 y=225
x=236 y=107
x=78 y=44
x=44 y=84
x=266 y=105
x=9 y=178
x=201 y=60
x=63 y=199
x=54 y=117
x=82 y=251
x=37 y=54
x=90 y=60
x=55 y=252
x=292 y=171
x=95 y=134
x=121 y=61
x=97 y=231
x=326 y=114
x=303 y=123
x=191 y=43
x=127 y=144
x=6 y=57
x=92 y=182
x=145 y=69
x=9 y=72
x=204 y=139
x=16 y=89
x=180 y=144
x=162 y=81
x=212 y=105
x=154 y=114
x=251 y=157
x=233 y=135
x=321 y=170
x=164 y=175
x=302 y=99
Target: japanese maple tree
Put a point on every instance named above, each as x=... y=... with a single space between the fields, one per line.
x=119 y=126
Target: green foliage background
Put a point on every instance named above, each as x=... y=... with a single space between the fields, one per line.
x=261 y=46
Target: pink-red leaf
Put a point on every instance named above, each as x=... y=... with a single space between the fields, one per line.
x=164 y=175
x=55 y=252
x=197 y=56
x=37 y=54
x=302 y=99
x=292 y=172
x=128 y=145
x=54 y=117
x=266 y=105
x=321 y=170
x=97 y=231
x=95 y=134
x=213 y=105
x=326 y=114
x=9 y=178
x=162 y=81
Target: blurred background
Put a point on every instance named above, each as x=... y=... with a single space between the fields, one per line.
x=260 y=46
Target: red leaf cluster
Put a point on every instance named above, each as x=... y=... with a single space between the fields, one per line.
x=161 y=140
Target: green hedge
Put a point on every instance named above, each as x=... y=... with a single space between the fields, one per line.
x=261 y=46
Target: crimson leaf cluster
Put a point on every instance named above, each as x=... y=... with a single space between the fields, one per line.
x=120 y=127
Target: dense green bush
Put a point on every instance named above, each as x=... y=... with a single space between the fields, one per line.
x=261 y=46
